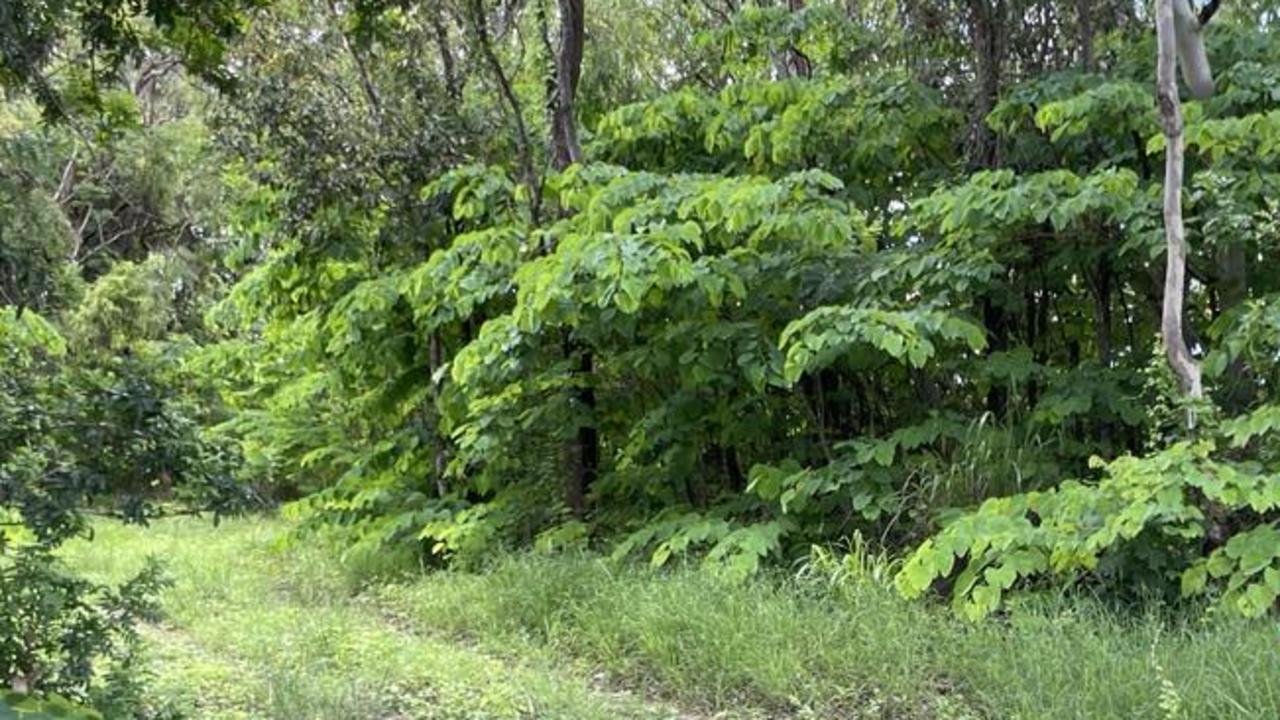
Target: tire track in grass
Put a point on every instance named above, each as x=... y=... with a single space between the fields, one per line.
x=262 y=635
x=599 y=683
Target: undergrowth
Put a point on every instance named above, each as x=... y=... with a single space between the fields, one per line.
x=261 y=629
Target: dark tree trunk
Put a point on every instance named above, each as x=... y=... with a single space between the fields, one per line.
x=797 y=63
x=449 y=65
x=1102 y=310
x=987 y=20
x=436 y=351
x=564 y=131
x=997 y=327
x=524 y=146
x=987 y=34
x=1233 y=289
x=1084 y=26
x=584 y=454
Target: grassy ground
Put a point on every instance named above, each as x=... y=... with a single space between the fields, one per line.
x=256 y=631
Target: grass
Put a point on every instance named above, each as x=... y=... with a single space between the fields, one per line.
x=259 y=632
x=254 y=632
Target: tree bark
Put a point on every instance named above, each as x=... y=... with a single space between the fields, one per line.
x=440 y=461
x=1084 y=25
x=584 y=452
x=366 y=82
x=987 y=28
x=1179 y=355
x=797 y=63
x=1102 y=309
x=564 y=131
x=1238 y=382
x=449 y=65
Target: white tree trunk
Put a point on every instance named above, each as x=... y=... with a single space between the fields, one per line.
x=1175 y=345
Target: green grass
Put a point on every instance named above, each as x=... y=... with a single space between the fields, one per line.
x=258 y=632
x=254 y=632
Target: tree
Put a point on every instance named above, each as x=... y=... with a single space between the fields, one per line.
x=1180 y=359
x=111 y=32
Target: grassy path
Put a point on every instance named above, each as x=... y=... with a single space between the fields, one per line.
x=255 y=633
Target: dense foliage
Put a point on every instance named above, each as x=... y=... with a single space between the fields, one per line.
x=98 y=415
x=718 y=281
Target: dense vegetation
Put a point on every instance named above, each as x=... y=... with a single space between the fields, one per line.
x=718 y=283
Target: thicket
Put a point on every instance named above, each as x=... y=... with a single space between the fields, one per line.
x=777 y=276
x=786 y=309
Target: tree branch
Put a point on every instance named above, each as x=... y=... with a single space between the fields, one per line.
x=523 y=145
x=1208 y=11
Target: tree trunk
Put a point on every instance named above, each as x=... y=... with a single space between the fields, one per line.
x=1084 y=25
x=987 y=28
x=524 y=147
x=440 y=461
x=797 y=63
x=1102 y=309
x=1238 y=382
x=448 y=64
x=584 y=452
x=986 y=23
x=564 y=132
x=1181 y=361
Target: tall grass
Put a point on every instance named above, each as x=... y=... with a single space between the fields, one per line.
x=805 y=646
x=262 y=633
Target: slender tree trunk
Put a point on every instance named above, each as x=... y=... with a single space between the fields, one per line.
x=362 y=69
x=584 y=452
x=1102 y=309
x=524 y=146
x=987 y=30
x=995 y=321
x=1084 y=25
x=448 y=64
x=440 y=461
x=986 y=23
x=798 y=64
x=1181 y=361
x=1233 y=289
x=564 y=131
